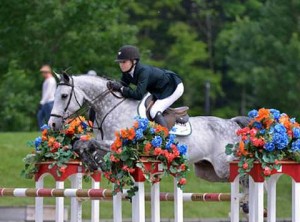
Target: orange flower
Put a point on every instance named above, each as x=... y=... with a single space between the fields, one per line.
x=51 y=141
x=79 y=129
x=44 y=138
x=114 y=159
x=285 y=120
x=56 y=145
x=182 y=181
x=268 y=122
x=70 y=131
x=262 y=114
x=44 y=132
x=182 y=167
x=160 y=128
x=158 y=151
x=147 y=147
x=85 y=137
x=131 y=134
x=124 y=133
x=90 y=123
x=136 y=124
x=242 y=148
x=118 y=142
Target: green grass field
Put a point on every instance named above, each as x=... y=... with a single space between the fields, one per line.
x=13 y=148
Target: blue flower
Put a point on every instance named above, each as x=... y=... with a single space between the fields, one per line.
x=157 y=141
x=37 y=142
x=139 y=134
x=280 y=140
x=152 y=130
x=269 y=146
x=182 y=148
x=84 y=125
x=296 y=132
x=262 y=131
x=168 y=145
x=45 y=126
x=253 y=113
x=296 y=145
x=142 y=123
x=279 y=128
x=172 y=137
x=257 y=125
x=293 y=120
x=275 y=113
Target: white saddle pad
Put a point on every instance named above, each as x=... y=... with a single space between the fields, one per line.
x=178 y=129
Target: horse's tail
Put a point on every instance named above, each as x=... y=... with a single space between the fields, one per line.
x=242 y=121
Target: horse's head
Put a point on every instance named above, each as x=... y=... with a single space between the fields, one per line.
x=68 y=99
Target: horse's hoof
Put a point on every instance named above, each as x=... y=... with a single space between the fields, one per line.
x=245 y=208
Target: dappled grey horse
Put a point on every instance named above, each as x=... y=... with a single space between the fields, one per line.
x=206 y=144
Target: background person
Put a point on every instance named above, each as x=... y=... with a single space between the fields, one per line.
x=48 y=91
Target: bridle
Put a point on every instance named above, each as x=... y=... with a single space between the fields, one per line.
x=86 y=106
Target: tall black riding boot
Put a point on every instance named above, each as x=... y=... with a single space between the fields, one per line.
x=160 y=119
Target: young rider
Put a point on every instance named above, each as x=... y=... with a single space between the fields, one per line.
x=164 y=85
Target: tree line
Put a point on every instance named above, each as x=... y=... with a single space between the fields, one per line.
x=248 y=50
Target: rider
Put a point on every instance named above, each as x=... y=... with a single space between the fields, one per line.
x=164 y=85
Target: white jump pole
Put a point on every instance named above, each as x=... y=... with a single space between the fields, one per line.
x=39 y=201
x=138 y=203
x=178 y=203
x=95 y=211
x=259 y=187
x=117 y=207
x=76 y=206
x=235 y=200
x=59 y=214
x=155 y=203
x=295 y=201
x=271 y=189
x=252 y=206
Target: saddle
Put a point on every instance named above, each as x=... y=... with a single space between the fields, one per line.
x=172 y=115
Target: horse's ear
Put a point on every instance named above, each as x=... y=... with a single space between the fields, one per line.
x=57 y=76
x=66 y=77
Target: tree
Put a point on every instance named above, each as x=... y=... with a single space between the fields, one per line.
x=263 y=55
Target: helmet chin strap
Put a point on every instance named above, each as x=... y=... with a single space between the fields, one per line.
x=134 y=62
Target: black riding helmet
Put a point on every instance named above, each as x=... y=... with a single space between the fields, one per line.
x=128 y=52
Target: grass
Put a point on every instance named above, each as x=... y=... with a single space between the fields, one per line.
x=13 y=148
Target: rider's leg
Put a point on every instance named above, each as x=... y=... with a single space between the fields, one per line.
x=161 y=105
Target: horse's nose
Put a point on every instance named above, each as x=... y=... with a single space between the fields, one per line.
x=53 y=125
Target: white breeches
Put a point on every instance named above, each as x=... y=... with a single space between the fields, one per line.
x=161 y=105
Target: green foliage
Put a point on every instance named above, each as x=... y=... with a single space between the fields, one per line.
x=18 y=101
x=247 y=50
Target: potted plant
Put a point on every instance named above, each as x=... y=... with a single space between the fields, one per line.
x=269 y=138
x=144 y=150
x=56 y=146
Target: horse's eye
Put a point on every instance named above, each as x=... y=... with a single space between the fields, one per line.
x=64 y=96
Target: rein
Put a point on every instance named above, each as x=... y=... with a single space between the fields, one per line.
x=84 y=108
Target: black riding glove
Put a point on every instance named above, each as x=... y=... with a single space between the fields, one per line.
x=115 y=86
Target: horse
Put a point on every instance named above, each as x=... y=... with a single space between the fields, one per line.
x=206 y=144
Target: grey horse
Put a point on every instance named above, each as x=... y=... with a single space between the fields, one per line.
x=206 y=144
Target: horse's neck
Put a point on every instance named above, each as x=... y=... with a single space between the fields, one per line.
x=94 y=92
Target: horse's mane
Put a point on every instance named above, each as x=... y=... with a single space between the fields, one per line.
x=107 y=78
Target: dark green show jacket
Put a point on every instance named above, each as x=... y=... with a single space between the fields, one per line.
x=160 y=83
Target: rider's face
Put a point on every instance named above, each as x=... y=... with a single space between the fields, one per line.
x=125 y=65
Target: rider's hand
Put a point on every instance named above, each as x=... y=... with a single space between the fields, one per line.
x=116 y=86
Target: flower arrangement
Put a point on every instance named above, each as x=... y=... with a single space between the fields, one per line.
x=56 y=146
x=144 y=140
x=269 y=138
